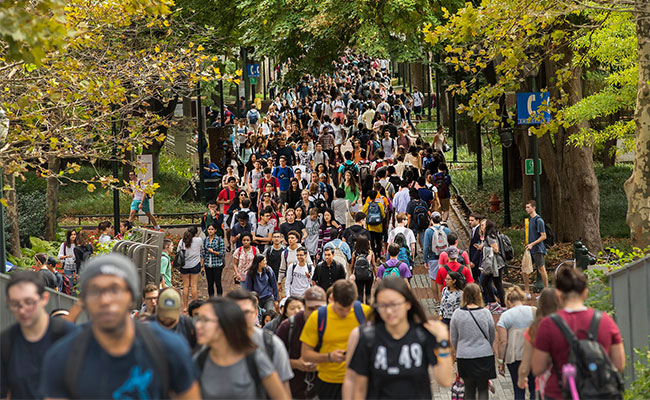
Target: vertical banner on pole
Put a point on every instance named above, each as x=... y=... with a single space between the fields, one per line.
x=144 y=171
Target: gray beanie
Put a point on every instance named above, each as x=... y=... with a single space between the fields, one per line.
x=112 y=264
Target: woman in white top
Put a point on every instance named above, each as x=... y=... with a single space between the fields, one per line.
x=191 y=244
x=66 y=255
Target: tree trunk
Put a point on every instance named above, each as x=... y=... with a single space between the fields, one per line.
x=52 y=197
x=12 y=215
x=570 y=170
x=637 y=187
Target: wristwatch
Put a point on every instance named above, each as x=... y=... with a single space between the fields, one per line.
x=443 y=344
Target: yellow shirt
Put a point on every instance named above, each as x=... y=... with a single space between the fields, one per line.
x=375 y=228
x=337 y=332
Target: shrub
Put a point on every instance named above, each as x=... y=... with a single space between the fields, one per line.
x=31 y=215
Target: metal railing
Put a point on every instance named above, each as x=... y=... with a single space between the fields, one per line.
x=193 y=215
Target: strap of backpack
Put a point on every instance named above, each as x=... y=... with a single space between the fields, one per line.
x=156 y=352
x=447 y=268
x=268 y=343
x=595 y=324
x=202 y=358
x=251 y=364
x=292 y=326
x=5 y=348
x=74 y=362
x=358 y=312
x=564 y=328
x=322 y=324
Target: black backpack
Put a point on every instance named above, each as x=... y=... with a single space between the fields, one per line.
x=421 y=216
x=596 y=377
x=352 y=168
x=362 y=268
x=550 y=236
x=460 y=271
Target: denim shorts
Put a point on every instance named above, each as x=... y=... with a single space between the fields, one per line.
x=433 y=268
x=193 y=270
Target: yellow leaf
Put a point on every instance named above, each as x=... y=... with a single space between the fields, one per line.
x=90 y=187
x=200 y=48
x=3 y=201
x=156 y=49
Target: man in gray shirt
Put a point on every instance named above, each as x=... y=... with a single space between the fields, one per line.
x=272 y=344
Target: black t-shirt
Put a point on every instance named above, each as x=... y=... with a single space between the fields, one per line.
x=300 y=389
x=325 y=276
x=274 y=258
x=350 y=234
x=49 y=278
x=286 y=227
x=396 y=368
x=22 y=374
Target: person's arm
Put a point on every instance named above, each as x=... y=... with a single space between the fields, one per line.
x=312 y=356
x=502 y=341
x=524 y=367
x=274 y=387
x=540 y=361
x=235 y=264
x=351 y=266
x=352 y=380
x=617 y=355
x=194 y=392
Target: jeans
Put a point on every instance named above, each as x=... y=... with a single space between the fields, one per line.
x=70 y=274
x=213 y=276
x=520 y=394
x=364 y=287
x=486 y=286
x=473 y=385
x=267 y=303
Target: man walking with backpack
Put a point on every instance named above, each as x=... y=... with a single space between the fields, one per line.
x=418 y=215
x=536 y=238
x=442 y=180
x=375 y=217
x=134 y=360
x=434 y=243
x=393 y=266
x=24 y=343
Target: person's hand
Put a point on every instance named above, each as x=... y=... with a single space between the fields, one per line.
x=352 y=277
x=522 y=382
x=337 y=356
x=471 y=264
x=502 y=369
x=529 y=246
x=301 y=365
x=437 y=329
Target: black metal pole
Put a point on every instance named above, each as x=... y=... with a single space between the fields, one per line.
x=223 y=109
x=452 y=121
x=199 y=122
x=116 y=193
x=536 y=163
x=479 y=158
x=264 y=82
x=246 y=82
x=506 y=188
x=438 y=116
x=399 y=75
x=429 y=89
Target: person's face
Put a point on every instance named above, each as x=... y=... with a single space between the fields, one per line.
x=73 y=236
x=266 y=197
x=242 y=196
x=340 y=310
x=449 y=282
x=328 y=256
x=473 y=222
x=304 y=147
x=392 y=306
x=319 y=147
x=266 y=217
x=243 y=222
x=151 y=301
x=305 y=196
x=26 y=304
x=107 y=301
x=291 y=216
x=530 y=209
x=268 y=188
x=323 y=179
x=257 y=165
x=207 y=325
x=314 y=177
x=312 y=306
x=302 y=256
x=229 y=169
x=262 y=264
x=246 y=241
x=132 y=176
x=298 y=174
x=277 y=238
x=357 y=144
x=483 y=226
x=292 y=240
x=122 y=229
x=212 y=208
x=168 y=322
x=211 y=230
x=232 y=184
x=327 y=217
x=293 y=308
x=283 y=162
x=294 y=184
x=250 y=312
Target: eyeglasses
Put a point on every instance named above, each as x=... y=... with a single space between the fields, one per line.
x=27 y=303
x=111 y=291
x=203 y=320
x=266 y=196
x=390 y=306
x=150 y=298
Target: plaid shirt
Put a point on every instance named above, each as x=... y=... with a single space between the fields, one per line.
x=212 y=260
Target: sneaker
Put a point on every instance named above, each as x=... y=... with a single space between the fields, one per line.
x=528 y=296
x=495 y=308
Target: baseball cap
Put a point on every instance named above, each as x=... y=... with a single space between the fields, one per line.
x=112 y=264
x=315 y=295
x=169 y=304
x=452 y=252
x=435 y=214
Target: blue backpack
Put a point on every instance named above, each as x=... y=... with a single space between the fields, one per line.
x=374 y=214
x=322 y=321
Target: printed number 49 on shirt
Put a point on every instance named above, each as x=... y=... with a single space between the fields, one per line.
x=409 y=356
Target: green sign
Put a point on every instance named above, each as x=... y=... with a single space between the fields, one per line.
x=253 y=81
x=530 y=168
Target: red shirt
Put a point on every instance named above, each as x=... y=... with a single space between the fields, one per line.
x=549 y=339
x=274 y=181
x=454 y=266
x=227 y=194
x=444 y=257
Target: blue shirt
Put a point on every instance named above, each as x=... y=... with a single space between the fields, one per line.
x=426 y=195
x=284 y=176
x=429 y=255
x=131 y=375
x=264 y=284
x=535 y=230
x=212 y=175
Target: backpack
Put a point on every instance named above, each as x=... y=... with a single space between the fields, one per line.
x=439 y=241
x=179 y=259
x=362 y=268
x=352 y=168
x=153 y=347
x=253 y=118
x=67 y=286
x=320 y=204
x=201 y=357
x=318 y=108
x=595 y=375
x=421 y=216
x=391 y=271
x=550 y=237
x=374 y=214
x=505 y=247
x=340 y=257
x=460 y=271
x=58 y=329
x=440 y=180
x=404 y=252
x=322 y=321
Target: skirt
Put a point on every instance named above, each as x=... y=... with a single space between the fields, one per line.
x=477 y=368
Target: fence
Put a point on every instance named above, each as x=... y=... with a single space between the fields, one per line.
x=57 y=300
x=631 y=299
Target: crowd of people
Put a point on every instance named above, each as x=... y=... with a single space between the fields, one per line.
x=329 y=200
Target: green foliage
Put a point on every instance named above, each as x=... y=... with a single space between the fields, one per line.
x=613 y=202
x=641 y=385
x=31 y=215
x=171 y=166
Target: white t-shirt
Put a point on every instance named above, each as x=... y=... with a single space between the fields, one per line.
x=297 y=280
x=417 y=99
x=408 y=234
